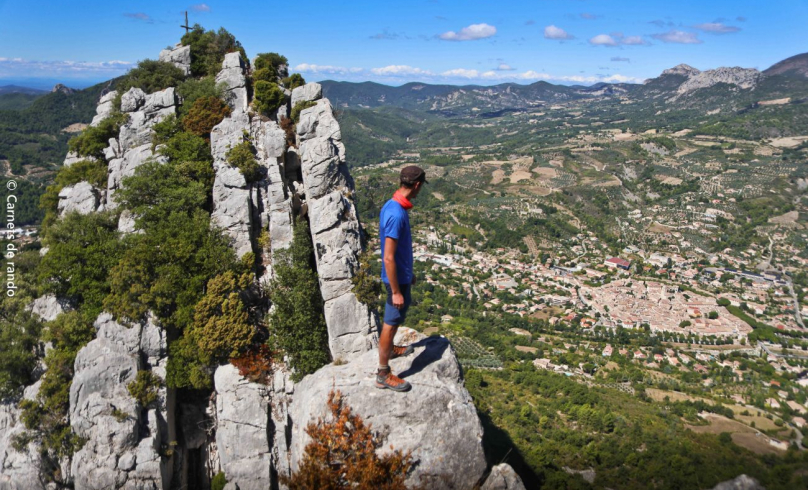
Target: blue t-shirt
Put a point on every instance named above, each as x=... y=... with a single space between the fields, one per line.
x=394 y=222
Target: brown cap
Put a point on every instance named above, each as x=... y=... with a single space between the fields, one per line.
x=412 y=174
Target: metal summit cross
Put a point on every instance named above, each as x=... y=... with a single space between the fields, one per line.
x=186 y=26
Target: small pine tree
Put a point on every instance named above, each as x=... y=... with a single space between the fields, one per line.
x=293 y=81
x=274 y=63
x=268 y=97
x=342 y=455
x=297 y=324
x=221 y=325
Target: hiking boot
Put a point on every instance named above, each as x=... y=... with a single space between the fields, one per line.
x=401 y=351
x=391 y=381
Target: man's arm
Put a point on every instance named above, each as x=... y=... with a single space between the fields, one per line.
x=390 y=245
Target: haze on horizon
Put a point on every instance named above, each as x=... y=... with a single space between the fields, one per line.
x=432 y=41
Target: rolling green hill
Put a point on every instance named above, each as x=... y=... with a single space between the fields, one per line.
x=33 y=143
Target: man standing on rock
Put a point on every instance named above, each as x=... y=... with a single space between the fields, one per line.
x=397 y=272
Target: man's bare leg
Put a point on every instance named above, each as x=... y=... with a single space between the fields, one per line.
x=386 y=343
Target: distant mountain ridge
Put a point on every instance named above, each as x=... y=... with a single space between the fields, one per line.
x=671 y=85
x=795 y=66
x=16 y=89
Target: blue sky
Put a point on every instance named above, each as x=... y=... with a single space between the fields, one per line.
x=437 y=41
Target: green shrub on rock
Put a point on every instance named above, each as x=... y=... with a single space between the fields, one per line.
x=19 y=341
x=184 y=146
x=164 y=130
x=242 y=157
x=268 y=97
x=218 y=482
x=92 y=171
x=92 y=141
x=46 y=417
x=300 y=107
x=190 y=156
x=208 y=49
x=144 y=387
x=165 y=268
x=192 y=89
x=265 y=75
x=366 y=285
x=82 y=250
x=293 y=81
x=297 y=324
x=274 y=63
x=150 y=76
x=220 y=330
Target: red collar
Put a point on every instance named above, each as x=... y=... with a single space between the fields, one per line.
x=401 y=199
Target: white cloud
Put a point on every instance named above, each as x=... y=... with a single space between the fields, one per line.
x=461 y=73
x=532 y=76
x=504 y=67
x=618 y=78
x=470 y=33
x=325 y=69
x=64 y=68
x=617 y=38
x=200 y=7
x=398 y=73
x=716 y=28
x=633 y=41
x=678 y=37
x=603 y=40
x=553 y=32
x=399 y=70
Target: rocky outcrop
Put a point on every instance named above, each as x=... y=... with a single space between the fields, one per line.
x=242 y=426
x=48 y=307
x=335 y=228
x=63 y=89
x=133 y=147
x=681 y=69
x=19 y=470
x=231 y=193
x=310 y=91
x=144 y=111
x=235 y=81
x=436 y=420
x=252 y=432
x=104 y=109
x=503 y=477
x=179 y=56
x=271 y=200
x=741 y=482
x=282 y=391
x=124 y=440
x=82 y=198
x=744 y=78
